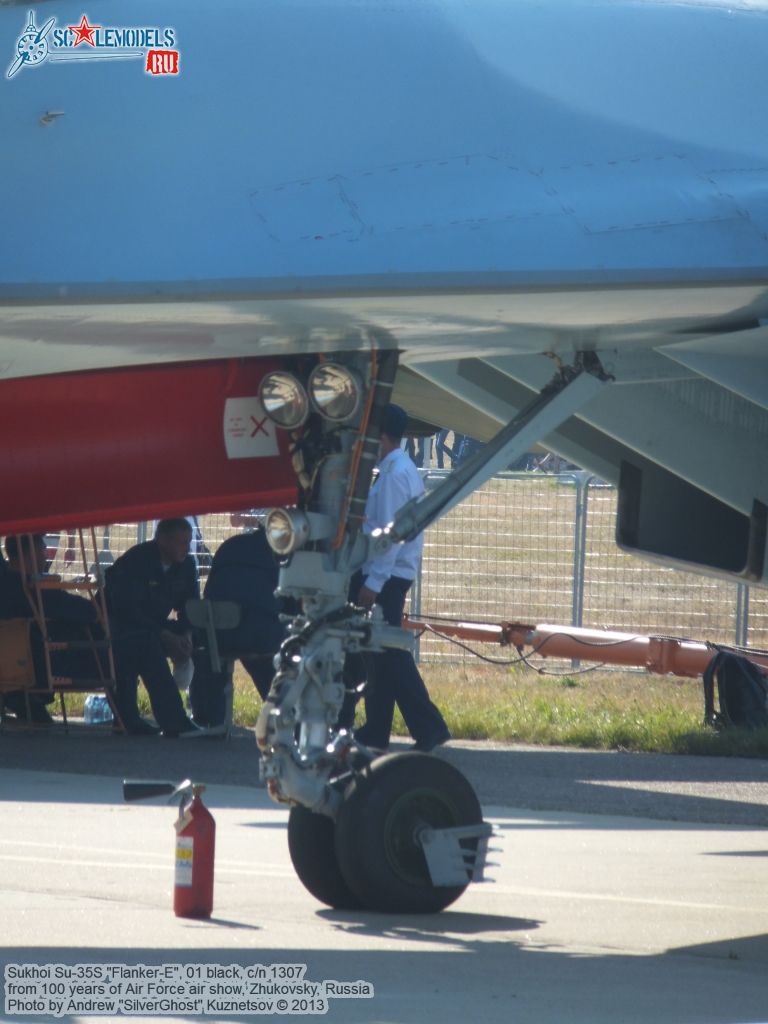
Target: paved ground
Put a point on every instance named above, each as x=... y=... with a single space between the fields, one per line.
x=629 y=888
x=670 y=788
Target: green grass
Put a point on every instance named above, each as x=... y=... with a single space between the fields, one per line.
x=598 y=710
x=602 y=711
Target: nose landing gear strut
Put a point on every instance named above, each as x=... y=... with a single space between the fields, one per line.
x=401 y=833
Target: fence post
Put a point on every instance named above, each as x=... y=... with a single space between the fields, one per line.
x=415 y=609
x=582 y=481
x=742 y=614
x=414 y=593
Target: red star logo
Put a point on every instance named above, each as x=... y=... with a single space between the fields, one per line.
x=83 y=31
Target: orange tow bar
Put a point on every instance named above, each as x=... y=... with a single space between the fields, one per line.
x=658 y=654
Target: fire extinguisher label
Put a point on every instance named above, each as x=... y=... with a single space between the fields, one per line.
x=184 y=846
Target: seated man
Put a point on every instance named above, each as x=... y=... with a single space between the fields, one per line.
x=143 y=588
x=68 y=618
x=243 y=570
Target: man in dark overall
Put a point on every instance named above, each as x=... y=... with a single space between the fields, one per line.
x=143 y=587
x=244 y=570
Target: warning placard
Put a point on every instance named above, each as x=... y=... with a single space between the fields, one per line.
x=248 y=433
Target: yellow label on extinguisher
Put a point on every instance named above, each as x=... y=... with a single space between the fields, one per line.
x=184 y=850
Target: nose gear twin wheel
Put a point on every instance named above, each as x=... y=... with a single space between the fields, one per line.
x=312 y=846
x=377 y=831
x=371 y=857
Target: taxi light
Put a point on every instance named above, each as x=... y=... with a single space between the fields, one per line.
x=286 y=529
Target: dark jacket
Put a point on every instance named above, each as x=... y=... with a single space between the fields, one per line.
x=141 y=594
x=67 y=618
x=244 y=570
x=58 y=605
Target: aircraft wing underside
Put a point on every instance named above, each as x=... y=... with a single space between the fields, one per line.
x=488 y=188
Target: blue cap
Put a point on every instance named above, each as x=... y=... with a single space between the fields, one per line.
x=394 y=421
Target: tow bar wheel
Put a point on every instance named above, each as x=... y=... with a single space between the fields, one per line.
x=385 y=809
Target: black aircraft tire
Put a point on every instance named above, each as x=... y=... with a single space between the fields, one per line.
x=311 y=844
x=376 y=831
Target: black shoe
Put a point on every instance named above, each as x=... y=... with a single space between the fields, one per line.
x=428 y=743
x=221 y=729
x=361 y=737
x=38 y=713
x=139 y=727
x=14 y=703
x=188 y=731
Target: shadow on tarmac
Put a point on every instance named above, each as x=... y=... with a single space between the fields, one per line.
x=663 y=787
x=498 y=980
x=650 y=786
x=419 y=926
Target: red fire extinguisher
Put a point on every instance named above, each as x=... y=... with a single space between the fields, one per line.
x=195 y=844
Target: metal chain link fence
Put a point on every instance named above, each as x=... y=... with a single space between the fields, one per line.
x=539 y=548
x=530 y=547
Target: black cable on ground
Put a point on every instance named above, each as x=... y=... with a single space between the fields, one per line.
x=523 y=658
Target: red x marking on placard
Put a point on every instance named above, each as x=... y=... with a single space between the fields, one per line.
x=259 y=426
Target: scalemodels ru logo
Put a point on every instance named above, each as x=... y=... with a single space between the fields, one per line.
x=154 y=46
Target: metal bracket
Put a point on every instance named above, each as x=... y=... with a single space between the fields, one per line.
x=568 y=391
x=456 y=856
x=210 y=616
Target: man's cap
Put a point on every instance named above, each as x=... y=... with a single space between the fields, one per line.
x=394 y=421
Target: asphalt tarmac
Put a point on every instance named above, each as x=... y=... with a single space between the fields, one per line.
x=627 y=888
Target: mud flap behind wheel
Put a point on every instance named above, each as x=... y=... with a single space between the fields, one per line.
x=456 y=856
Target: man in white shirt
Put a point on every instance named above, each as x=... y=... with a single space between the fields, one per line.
x=385 y=580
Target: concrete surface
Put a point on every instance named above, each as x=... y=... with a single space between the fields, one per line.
x=590 y=918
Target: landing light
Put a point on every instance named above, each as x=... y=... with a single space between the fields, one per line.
x=287 y=529
x=284 y=399
x=335 y=391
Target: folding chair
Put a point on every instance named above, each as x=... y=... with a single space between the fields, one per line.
x=209 y=616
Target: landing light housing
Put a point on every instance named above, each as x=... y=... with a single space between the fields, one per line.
x=284 y=399
x=287 y=530
x=335 y=392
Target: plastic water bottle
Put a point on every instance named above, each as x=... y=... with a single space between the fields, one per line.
x=97 y=709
